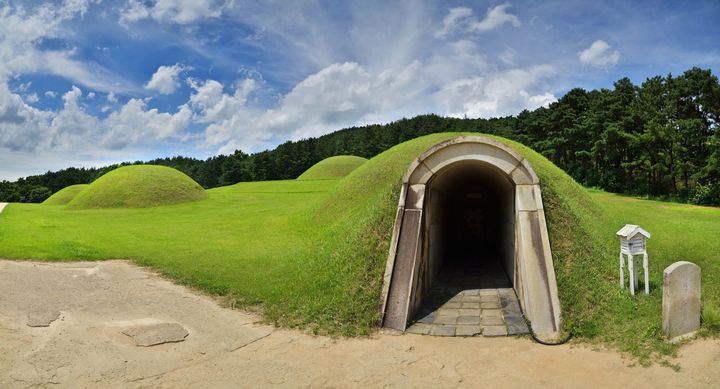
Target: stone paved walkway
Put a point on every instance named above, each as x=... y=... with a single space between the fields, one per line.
x=471 y=301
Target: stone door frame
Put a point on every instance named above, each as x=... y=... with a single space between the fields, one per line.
x=534 y=279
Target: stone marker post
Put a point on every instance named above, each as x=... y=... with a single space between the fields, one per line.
x=681 y=300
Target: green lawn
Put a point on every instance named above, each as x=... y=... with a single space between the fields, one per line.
x=310 y=253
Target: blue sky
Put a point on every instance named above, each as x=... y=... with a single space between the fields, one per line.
x=86 y=83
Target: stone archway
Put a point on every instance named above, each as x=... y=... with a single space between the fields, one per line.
x=522 y=240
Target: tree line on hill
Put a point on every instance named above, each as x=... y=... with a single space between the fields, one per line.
x=657 y=139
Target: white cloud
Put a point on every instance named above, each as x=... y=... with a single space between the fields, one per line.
x=73 y=128
x=32 y=98
x=135 y=124
x=111 y=98
x=212 y=104
x=51 y=94
x=462 y=20
x=599 y=55
x=499 y=94
x=176 y=11
x=22 y=29
x=165 y=79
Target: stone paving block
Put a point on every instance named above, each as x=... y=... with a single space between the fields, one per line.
x=469 y=311
x=443 y=311
x=468 y=319
x=471 y=299
x=490 y=306
x=491 y=313
x=452 y=305
x=445 y=320
x=494 y=331
x=468 y=330
x=472 y=292
x=420 y=328
x=517 y=329
x=489 y=299
x=443 y=331
x=512 y=310
x=491 y=321
x=488 y=292
x=471 y=305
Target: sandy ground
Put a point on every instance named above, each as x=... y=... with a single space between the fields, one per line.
x=85 y=346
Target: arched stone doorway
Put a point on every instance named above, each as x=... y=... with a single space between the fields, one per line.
x=471 y=202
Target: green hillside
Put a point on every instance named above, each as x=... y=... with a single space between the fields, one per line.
x=310 y=253
x=332 y=168
x=65 y=195
x=139 y=186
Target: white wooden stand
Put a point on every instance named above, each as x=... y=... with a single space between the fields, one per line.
x=633 y=272
x=632 y=244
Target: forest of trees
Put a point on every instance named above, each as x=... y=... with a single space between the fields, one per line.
x=657 y=139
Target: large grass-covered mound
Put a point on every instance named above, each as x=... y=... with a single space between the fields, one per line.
x=139 y=186
x=65 y=195
x=361 y=211
x=333 y=168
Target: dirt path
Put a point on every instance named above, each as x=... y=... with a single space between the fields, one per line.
x=85 y=346
x=2 y=206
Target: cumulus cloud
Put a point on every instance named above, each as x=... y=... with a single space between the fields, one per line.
x=175 y=11
x=72 y=128
x=499 y=94
x=165 y=79
x=599 y=55
x=134 y=124
x=463 y=20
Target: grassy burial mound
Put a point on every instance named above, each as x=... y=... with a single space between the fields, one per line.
x=139 y=186
x=311 y=253
x=333 y=168
x=65 y=195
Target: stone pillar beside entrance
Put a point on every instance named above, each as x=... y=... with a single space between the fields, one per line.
x=681 y=301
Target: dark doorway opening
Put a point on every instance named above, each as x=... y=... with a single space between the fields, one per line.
x=470 y=227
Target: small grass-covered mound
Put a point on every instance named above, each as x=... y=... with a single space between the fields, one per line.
x=333 y=168
x=65 y=195
x=139 y=186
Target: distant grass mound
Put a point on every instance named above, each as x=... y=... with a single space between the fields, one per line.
x=139 y=186
x=333 y=168
x=65 y=195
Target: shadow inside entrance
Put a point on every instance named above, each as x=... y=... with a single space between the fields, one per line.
x=470 y=299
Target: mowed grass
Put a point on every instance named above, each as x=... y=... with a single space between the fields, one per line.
x=138 y=186
x=680 y=232
x=243 y=240
x=332 y=168
x=65 y=195
x=311 y=253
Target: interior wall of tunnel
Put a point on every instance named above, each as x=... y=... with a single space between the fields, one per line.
x=469 y=216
